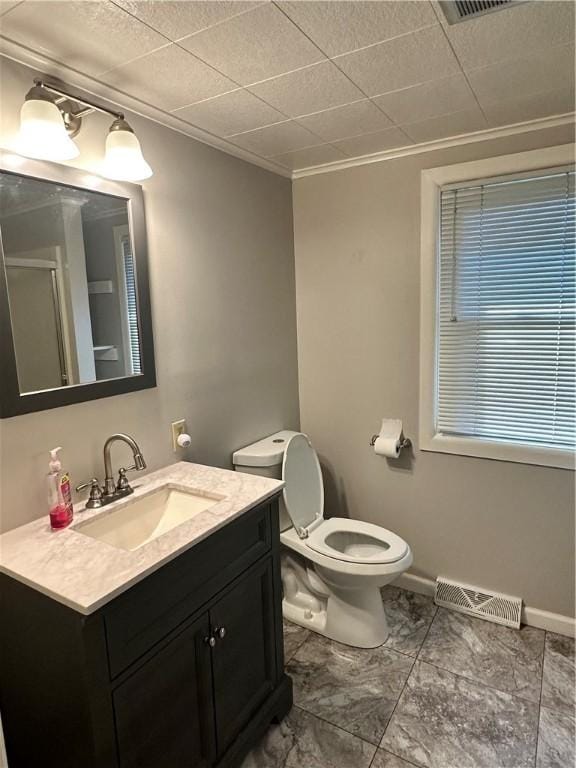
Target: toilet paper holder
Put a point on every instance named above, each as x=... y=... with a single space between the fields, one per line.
x=404 y=442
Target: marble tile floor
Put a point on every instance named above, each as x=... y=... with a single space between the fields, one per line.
x=445 y=691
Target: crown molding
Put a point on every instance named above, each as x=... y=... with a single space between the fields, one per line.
x=429 y=146
x=45 y=65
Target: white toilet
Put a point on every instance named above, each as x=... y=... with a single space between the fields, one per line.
x=332 y=569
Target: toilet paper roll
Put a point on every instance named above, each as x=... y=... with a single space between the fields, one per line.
x=388 y=441
x=387 y=446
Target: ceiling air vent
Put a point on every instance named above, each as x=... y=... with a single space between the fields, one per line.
x=461 y=10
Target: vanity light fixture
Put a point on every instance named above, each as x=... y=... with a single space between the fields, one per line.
x=50 y=118
x=43 y=132
x=124 y=160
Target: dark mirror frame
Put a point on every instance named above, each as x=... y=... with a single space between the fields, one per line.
x=12 y=403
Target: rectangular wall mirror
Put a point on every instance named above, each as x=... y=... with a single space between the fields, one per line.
x=75 y=320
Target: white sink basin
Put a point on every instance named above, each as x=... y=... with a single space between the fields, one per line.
x=141 y=520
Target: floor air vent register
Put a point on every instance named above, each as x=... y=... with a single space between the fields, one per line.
x=492 y=606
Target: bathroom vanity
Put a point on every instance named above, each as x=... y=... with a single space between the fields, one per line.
x=165 y=654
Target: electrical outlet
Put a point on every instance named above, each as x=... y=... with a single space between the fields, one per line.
x=178 y=427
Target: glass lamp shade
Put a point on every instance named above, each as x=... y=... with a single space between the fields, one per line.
x=124 y=160
x=43 y=133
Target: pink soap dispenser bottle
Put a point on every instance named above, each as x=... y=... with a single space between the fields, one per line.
x=59 y=493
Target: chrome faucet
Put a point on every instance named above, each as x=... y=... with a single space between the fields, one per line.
x=99 y=496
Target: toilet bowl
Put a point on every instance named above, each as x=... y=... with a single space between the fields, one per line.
x=332 y=569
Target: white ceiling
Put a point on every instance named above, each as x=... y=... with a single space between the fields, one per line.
x=305 y=83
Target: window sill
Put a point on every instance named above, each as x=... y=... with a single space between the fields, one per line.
x=500 y=451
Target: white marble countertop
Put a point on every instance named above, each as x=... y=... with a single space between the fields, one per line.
x=85 y=573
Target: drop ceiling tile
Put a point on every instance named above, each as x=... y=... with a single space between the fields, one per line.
x=512 y=32
x=438 y=97
x=276 y=139
x=546 y=71
x=408 y=60
x=538 y=105
x=168 y=78
x=343 y=122
x=176 y=19
x=6 y=5
x=255 y=46
x=308 y=90
x=231 y=113
x=446 y=125
x=373 y=142
x=340 y=27
x=440 y=15
x=305 y=158
x=90 y=36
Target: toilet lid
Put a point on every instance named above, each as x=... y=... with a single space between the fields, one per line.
x=303 y=489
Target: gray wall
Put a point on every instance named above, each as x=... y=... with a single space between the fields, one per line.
x=18 y=235
x=504 y=526
x=222 y=283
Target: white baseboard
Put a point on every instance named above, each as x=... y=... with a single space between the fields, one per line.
x=415 y=583
x=533 y=617
x=553 y=622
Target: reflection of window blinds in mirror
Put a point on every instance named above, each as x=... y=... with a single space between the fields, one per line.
x=131 y=305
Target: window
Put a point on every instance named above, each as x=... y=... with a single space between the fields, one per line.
x=505 y=308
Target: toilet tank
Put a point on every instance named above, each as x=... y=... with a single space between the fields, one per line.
x=265 y=458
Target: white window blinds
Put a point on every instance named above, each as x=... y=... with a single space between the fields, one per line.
x=506 y=340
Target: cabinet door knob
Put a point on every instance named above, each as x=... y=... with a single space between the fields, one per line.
x=221 y=632
x=211 y=641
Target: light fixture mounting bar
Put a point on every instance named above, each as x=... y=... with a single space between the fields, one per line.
x=89 y=105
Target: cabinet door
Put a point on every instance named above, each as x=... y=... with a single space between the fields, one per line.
x=164 y=711
x=243 y=659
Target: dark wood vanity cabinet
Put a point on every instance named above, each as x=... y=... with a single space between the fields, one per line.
x=243 y=659
x=163 y=712
x=183 y=670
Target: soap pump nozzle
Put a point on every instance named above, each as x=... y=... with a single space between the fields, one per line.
x=55 y=463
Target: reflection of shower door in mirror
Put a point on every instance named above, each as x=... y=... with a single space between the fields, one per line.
x=36 y=313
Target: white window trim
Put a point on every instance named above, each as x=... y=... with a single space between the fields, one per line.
x=433 y=179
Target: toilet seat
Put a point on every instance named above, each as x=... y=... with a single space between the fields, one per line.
x=325 y=563
x=341 y=539
x=355 y=541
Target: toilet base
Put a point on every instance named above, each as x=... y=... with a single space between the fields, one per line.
x=356 y=617
x=353 y=617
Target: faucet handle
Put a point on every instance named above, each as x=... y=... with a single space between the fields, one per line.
x=94 y=483
x=95 y=498
x=122 y=484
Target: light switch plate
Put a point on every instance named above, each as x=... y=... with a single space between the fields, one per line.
x=178 y=427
